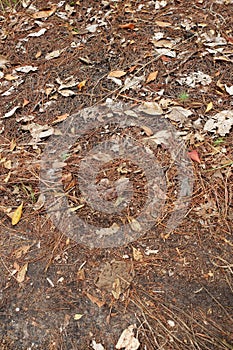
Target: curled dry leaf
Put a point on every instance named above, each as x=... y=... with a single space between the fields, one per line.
x=127 y=340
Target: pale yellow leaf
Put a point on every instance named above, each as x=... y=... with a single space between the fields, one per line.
x=209 y=107
x=117 y=73
x=17 y=215
x=77 y=317
x=151 y=77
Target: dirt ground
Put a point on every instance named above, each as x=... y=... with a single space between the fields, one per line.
x=177 y=288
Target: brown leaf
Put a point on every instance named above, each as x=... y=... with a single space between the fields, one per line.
x=95 y=300
x=130 y=26
x=117 y=73
x=44 y=13
x=151 y=77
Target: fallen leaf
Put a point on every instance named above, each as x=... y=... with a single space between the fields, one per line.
x=95 y=300
x=77 y=317
x=25 y=102
x=11 y=77
x=60 y=118
x=81 y=85
x=179 y=114
x=44 y=13
x=67 y=93
x=147 y=130
x=137 y=255
x=22 y=273
x=11 y=112
x=37 y=34
x=17 y=215
x=97 y=346
x=53 y=54
x=117 y=73
x=127 y=340
x=18 y=253
x=194 y=156
x=127 y=26
x=132 y=83
x=40 y=202
x=220 y=123
x=12 y=145
x=135 y=225
x=163 y=24
x=229 y=89
x=151 y=77
x=209 y=107
x=26 y=69
x=116 y=288
x=92 y=28
x=151 y=108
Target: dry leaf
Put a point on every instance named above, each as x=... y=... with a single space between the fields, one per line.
x=163 y=24
x=95 y=300
x=53 y=54
x=117 y=73
x=151 y=77
x=11 y=77
x=11 y=112
x=12 y=145
x=127 y=340
x=77 y=317
x=194 y=156
x=37 y=34
x=17 y=215
x=147 y=130
x=209 y=107
x=137 y=255
x=18 y=253
x=40 y=202
x=229 y=89
x=67 y=92
x=135 y=225
x=44 y=13
x=60 y=118
x=81 y=85
x=179 y=114
x=22 y=273
x=127 y=26
x=116 y=288
x=26 y=69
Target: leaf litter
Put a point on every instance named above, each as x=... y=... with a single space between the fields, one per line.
x=181 y=69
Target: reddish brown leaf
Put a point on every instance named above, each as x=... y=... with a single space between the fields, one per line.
x=194 y=156
x=127 y=26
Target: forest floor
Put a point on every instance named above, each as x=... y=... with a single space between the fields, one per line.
x=170 y=290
